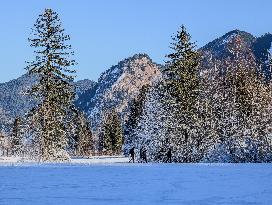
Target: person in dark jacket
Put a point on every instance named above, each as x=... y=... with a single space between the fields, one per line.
x=169 y=155
x=141 y=154
x=132 y=154
x=143 y=157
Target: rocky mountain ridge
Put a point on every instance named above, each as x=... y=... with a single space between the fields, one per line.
x=117 y=86
x=258 y=47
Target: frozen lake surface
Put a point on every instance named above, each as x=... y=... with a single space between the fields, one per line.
x=124 y=184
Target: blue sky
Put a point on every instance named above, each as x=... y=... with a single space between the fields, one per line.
x=103 y=32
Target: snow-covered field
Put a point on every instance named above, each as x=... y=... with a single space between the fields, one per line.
x=123 y=184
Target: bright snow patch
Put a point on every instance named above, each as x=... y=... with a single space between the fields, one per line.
x=89 y=160
x=9 y=160
x=100 y=159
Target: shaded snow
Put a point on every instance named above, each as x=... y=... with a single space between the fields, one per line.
x=122 y=184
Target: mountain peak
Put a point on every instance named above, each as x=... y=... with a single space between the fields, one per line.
x=115 y=71
x=139 y=56
x=135 y=57
x=236 y=31
x=247 y=37
x=243 y=34
x=217 y=48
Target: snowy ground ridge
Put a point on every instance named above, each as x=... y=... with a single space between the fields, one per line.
x=74 y=160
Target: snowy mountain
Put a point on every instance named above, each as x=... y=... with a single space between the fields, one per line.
x=218 y=47
x=117 y=86
x=258 y=47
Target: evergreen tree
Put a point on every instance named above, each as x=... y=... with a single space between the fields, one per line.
x=152 y=127
x=16 y=142
x=183 y=70
x=100 y=136
x=241 y=74
x=182 y=88
x=111 y=137
x=83 y=135
x=4 y=144
x=54 y=89
x=136 y=110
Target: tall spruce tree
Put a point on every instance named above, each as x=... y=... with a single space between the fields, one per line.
x=54 y=89
x=182 y=86
x=183 y=70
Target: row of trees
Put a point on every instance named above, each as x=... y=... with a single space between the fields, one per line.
x=23 y=141
x=217 y=114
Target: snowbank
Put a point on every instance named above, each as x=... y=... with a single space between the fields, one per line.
x=78 y=160
x=100 y=159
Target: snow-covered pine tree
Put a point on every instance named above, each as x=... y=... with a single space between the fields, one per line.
x=239 y=100
x=111 y=136
x=242 y=83
x=182 y=70
x=182 y=84
x=16 y=141
x=151 y=131
x=54 y=89
x=259 y=123
x=210 y=107
x=136 y=110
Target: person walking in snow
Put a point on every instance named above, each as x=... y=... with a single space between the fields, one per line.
x=169 y=155
x=132 y=154
x=143 y=157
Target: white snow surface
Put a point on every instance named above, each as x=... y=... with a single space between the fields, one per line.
x=79 y=160
x=124 y=184
x=100 y=160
